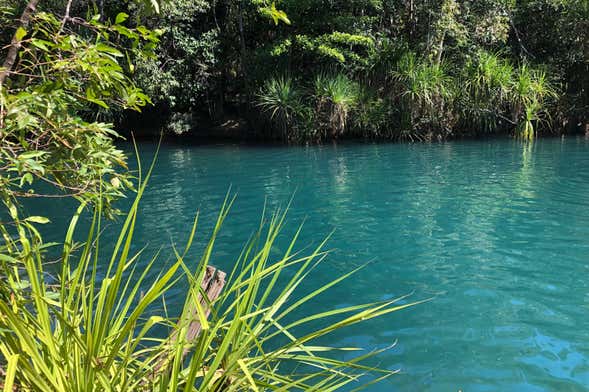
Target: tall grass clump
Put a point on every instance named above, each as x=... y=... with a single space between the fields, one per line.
x=530 y=95
x=84 y=331
x=335 y=96
x=426 y=94
x=282 y=106
x=484 y=100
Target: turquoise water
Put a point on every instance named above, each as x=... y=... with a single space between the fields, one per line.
x=497 y=233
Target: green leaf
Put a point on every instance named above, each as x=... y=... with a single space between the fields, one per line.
x=109 y=50
x=20 y=33
x=20 y=285
x=28 y=178
x=34 y=165
x=41 y=44
x=32 y=154
x=248 y=374
x=275 y=14
x=121 y=17
x=98 y=102
x=10 y=372
x=37 y=219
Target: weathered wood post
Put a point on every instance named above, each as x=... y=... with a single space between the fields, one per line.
x=212 y=284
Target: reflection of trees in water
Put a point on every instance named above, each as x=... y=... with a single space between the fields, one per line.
x=344 y=189
x=425 y=204
x=524 y=185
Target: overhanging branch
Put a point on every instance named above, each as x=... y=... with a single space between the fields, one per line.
x=16 y=43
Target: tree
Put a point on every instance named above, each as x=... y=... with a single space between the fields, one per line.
x=62 y=74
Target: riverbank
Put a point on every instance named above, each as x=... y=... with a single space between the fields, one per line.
x=238 y=130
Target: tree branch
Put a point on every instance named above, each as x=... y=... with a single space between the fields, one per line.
x=66 y=17
x=15 y=44
x=519 y=40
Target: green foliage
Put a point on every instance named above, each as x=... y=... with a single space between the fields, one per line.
x=343 y=48
x=485 y=98
x=372 y=115
x=66 y=72
x=276 y=15
x=342 y=106
x=215 y=59
x=282 y=105
x=491 y=75
x=335 y=96
x=426 y=94
x=82 y=331
x=446 y=26
x=179 y=76
x=529 y=95
x=497 y=92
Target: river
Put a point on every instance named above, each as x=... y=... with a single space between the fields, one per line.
x=495 y=232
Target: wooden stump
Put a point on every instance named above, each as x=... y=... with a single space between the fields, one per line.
x=212 y=283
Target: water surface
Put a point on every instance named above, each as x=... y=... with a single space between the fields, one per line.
x=497 y=233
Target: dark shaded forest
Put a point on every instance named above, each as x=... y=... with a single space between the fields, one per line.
x=382 y=69
x=315 y=70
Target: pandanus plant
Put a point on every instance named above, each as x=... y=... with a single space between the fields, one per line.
x=485 y=98
x=336 y=96
x=282 y=104
x=426 y=92
x=530 y=93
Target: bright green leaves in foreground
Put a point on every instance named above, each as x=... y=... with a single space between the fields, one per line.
x=67 y=76
x=77 y=332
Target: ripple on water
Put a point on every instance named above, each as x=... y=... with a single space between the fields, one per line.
x=497 y=233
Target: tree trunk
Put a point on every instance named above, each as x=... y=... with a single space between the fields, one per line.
x=243 y=50
x=411 y=21
x=440 y=49
x=16 y=43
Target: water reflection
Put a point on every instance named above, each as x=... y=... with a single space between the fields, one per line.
x=498 y=231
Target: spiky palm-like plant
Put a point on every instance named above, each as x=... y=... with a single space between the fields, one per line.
x=529 y=96
x=281 y=104
x=426 y=92
x=336 y=96
x=484 y=100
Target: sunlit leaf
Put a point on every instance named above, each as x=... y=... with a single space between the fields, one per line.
x=37 y=219
x=20 y=33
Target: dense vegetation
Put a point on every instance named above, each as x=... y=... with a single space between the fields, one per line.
x=296 y=70
x=395 y=69
x=98 y=321
x=313 y=70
